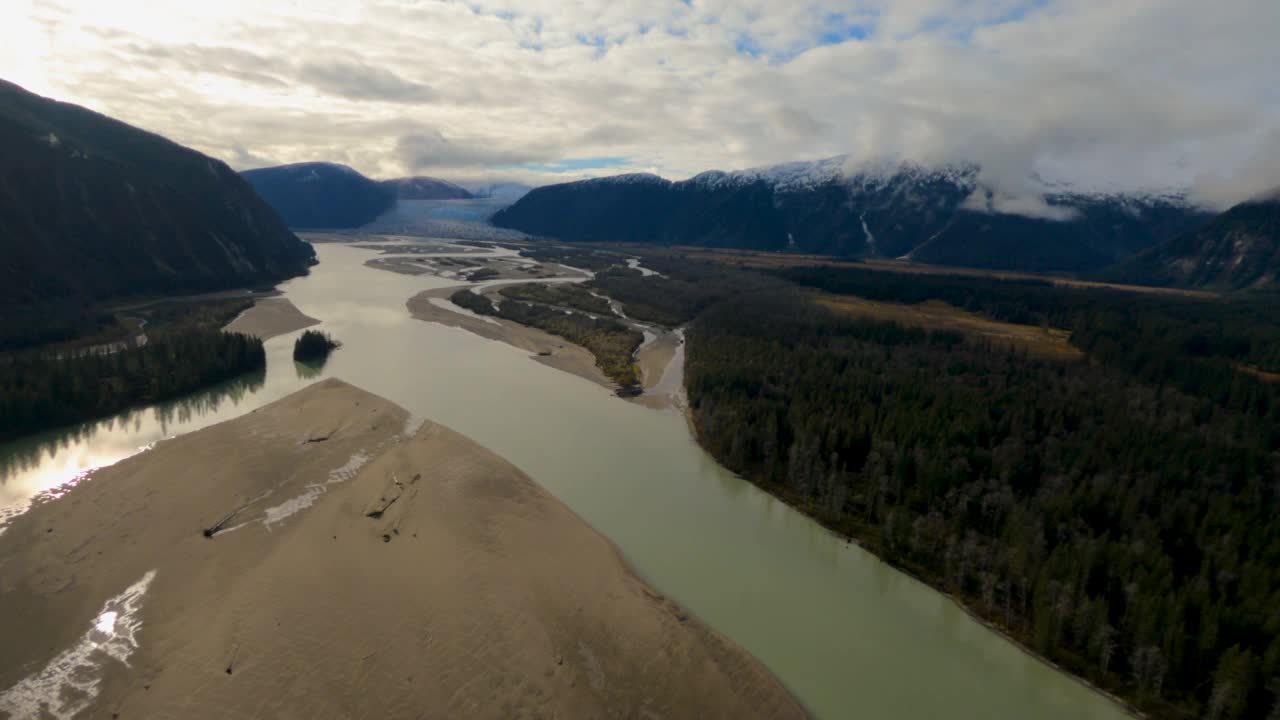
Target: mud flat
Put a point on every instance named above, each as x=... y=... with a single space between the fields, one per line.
x=270 y=317
x=361 y=564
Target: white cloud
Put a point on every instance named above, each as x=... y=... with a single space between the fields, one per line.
x=1127 y=94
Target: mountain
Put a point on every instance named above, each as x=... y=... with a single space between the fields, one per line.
x=903 y=210
x=427 y=188
x=1236 y=250
x=321 y=195
x=92 y=208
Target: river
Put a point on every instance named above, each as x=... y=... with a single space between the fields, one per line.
x=851 y=636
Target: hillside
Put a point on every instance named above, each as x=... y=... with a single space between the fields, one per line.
x=892 y=211
x=427 y=188
x=1238 y=249
x=92 y=208
x=321 y=195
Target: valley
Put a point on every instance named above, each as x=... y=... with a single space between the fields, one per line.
x=617 y=465
x=588 y=360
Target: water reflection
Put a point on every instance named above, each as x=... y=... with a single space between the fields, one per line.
x=46 y=465
x=310 y=369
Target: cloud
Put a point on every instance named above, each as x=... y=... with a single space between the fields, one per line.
x=1257 y=177
x=1027 y=204
x=357 y=81
x=1097 y=93
x=430 y=149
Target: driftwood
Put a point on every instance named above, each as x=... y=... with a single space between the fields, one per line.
x=217 y=527
x=213 y=529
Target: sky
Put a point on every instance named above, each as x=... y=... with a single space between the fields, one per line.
x=1102 y=94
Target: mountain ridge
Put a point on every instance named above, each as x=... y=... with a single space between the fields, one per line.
x=889 y=210
x=92 y=208
x=421 y=187
x=321 y=195
x=1236 y=250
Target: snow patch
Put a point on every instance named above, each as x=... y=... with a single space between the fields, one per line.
x=871 y=239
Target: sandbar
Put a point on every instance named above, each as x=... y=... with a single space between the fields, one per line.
x=371 y=566
x=270 y=317
x=547 y=349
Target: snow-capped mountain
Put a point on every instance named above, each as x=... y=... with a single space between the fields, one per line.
x=890 y=209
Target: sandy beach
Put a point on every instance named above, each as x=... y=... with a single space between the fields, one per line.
x=270 y=317
x=560 y=353
x=363 y=568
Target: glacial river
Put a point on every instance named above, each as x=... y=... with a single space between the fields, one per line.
x=851 y=636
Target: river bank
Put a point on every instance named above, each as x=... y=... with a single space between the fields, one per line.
x=550 y=350
x=449 y=583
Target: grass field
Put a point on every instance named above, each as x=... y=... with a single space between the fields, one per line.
x=762 y=260
x=1045 y=342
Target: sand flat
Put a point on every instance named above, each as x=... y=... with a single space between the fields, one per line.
x=654 y=358
x=270 y=317
x=426 y=578
x=560 y=353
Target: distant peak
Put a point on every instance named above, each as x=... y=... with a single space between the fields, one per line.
x=627 y=179
x=314 y=165
x=804 y=175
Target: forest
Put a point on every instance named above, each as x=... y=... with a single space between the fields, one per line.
x=40 y=390
x=312 y=346
x=575 y=297
x=1116 y=514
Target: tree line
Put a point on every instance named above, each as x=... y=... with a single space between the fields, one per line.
x=41 y=390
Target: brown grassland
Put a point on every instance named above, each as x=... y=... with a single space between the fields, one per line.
x=1047 y=342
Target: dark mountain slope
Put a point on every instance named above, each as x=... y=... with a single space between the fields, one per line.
x=1236 y=250
x=897 y=211
x=321 y=195
x=1104 y=230
x=427 y=188
x=92 y=208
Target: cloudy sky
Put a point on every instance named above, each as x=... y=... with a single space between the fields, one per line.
x=1105 y=93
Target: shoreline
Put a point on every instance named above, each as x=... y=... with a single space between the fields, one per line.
x=1125 y=706
x=559 y=353
x=450 y=581
x=269 y=317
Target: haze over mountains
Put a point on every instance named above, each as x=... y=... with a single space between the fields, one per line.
x=325 y=195
x=317 y=195
x=924 y=214
x=427 y=188
x=92 y=208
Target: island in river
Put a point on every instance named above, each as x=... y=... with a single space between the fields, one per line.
x=328 y=556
